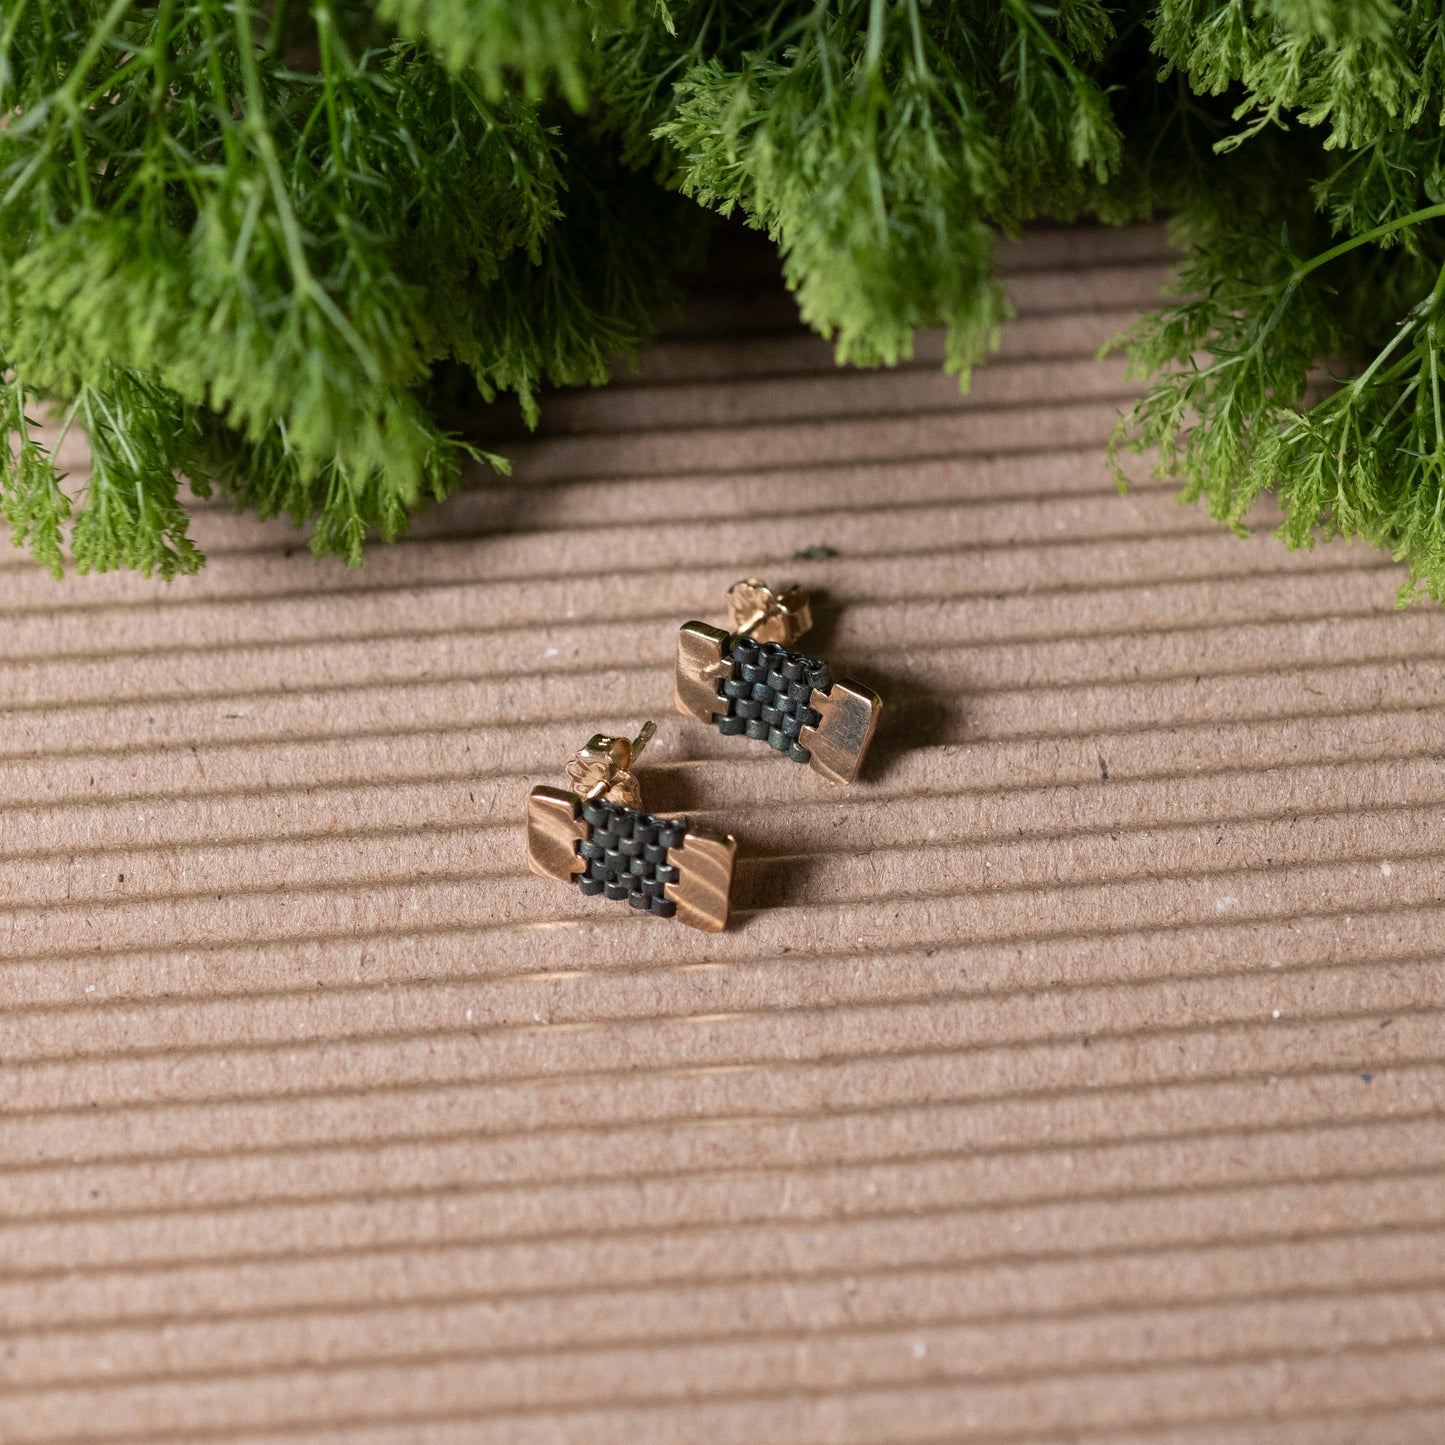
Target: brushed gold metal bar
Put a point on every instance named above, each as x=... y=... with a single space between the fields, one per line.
x=702 y=663
x=554 y=829
x=704 y=862
x=848 y=718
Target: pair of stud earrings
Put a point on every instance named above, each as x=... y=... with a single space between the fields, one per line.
x=747 y=683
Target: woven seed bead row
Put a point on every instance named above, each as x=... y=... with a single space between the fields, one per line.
x=626 y=853
x=767 y=695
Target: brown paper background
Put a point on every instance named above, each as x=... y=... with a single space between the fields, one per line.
x=1078 y=1075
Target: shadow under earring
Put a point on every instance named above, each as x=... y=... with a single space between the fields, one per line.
x=596 y=835
x=749 y=684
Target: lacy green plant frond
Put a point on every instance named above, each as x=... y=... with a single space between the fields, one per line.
x=1368 y=462
x=879 y=165
x=1229 y=412
x=541 y=43
x=482 y=179
x=347 y=500
x=131 y=515
x=277 y=248
x=280 y=294
x=604 y=276
x=1331 y=247
x=1357 y=68
x=32 y=500
x=1384 y=182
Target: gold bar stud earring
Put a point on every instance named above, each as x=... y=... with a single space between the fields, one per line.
x=749 y=684
x=596 y=835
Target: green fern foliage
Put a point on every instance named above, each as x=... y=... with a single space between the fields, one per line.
x=879 y=144
x=254 y=244
x=226 y=263
x=1338 y=259
x=537 y=44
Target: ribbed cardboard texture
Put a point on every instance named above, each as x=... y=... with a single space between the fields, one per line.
x=1077 y=1075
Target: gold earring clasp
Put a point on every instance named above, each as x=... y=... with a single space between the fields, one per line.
x=767 y=616
x=602 y=768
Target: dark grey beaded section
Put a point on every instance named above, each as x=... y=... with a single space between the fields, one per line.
x=767 y=695
x=626 y=853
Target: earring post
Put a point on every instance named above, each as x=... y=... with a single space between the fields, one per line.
x=644 y=736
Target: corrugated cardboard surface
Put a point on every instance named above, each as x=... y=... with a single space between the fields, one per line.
x=1078 y=1075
